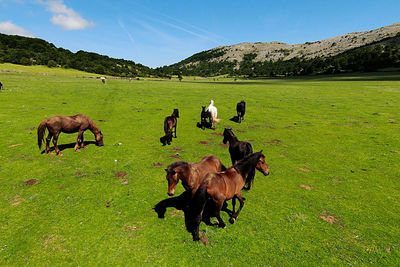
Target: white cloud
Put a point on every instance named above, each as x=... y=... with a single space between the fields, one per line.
x=66 y=17
x=9 y=28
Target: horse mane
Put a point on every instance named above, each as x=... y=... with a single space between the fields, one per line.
x=92 y=126
x=247 y=164
x=175 y=164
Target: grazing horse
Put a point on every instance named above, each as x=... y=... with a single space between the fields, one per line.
x=206 y=120
x=241 y=110
x=1 y=86
x=103 y=79
x=214 y=113
x=222 y=186
x=67 y=124
x=238 y=150
x=170 y=123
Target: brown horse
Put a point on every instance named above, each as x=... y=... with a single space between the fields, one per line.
x=67 y=124
x=170 y=123
x=222 y=186
x=191 y=174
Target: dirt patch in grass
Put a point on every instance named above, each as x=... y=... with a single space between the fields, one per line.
x=61 y=187
x=120 y=175
x=273 y=142
x=64 y=103
x=307 y=187
x=14 y=145
x=17 y=200
x=217 y=134
x=251 y=140
x=102 y=120
x=224 y=145
x=203 y=143
x=52 y=243
x=240 y=131
x=253 y=126
x=176 y=156
x=30 y=128
x=78 y=173
x=304 y=169
x=177 y=149
x=157 y=164
x=31 y=182
x=130 y=228
x=174 y=213
x=204 y=240
x=330 y=219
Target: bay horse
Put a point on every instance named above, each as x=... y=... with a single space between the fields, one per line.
x=170 y=123
x=67 y=124
x=205 y=117
x=191 y=175
x=241 y=110
x=238 y=150
x=214 y=113
x=220 y=187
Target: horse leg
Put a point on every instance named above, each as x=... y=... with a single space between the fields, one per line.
x=48 y=138
x=55 y=139
x=219 y=205
x=78 y=141
x=234 y=216
x=82 y=142
x=225 y=208
x=175 y=130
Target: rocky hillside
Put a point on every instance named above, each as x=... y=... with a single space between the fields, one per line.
x=274 y=51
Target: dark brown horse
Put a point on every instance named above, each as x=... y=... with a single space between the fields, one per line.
x=67 y=124
x=191 y=174
x=238 y=150
x=241 y=110
x=170 y=123
x=222 y=186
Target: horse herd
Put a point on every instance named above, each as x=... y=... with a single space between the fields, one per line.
x=208 y=184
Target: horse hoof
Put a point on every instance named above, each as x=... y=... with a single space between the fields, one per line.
x=232 y=220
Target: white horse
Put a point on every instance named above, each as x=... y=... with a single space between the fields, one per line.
x=214 y=113
x=103 y=79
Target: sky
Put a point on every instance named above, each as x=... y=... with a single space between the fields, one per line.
x=157 y=33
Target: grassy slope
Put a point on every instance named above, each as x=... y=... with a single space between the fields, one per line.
x=334 y=127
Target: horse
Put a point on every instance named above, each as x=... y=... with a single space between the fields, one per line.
x=241 y=110
x=67 y=124
x=214 y=113
x=220 y=187
x=170 y=123
x=1 y=86
x=206 y=120
x=238 y=150
x=191 y=176
x=103 y=79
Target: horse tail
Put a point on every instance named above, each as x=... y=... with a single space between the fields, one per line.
x=40 y=132
x=194 y=215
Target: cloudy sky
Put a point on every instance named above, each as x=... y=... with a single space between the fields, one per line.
x=157 y=33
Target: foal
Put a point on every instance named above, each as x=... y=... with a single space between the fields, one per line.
x=67 y=124
x=170 y=123
x=238 y=150
x=222 y=186
x=206 y=120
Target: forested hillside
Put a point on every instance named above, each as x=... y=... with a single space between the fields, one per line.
x=33 y=51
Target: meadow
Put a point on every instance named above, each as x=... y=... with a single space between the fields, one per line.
x=332 y=144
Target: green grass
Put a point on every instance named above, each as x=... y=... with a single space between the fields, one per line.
x=344 y=130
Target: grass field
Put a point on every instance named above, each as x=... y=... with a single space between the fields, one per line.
x=332 y=143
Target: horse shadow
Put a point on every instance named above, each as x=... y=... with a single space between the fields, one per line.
x=235 y=119
x=204 y=125
x=70 y=145
x=182 y=202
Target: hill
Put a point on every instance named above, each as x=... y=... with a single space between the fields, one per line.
x=34 y=51
x=238 y=59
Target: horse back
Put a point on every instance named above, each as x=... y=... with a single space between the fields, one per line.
x=226 y=184
x=68 y=124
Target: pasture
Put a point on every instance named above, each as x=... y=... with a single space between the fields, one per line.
x=332 y=198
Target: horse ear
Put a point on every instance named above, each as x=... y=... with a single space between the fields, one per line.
x=166 y=170
x=261 y=151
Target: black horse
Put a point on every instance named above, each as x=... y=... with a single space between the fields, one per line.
x=1 y=86
x=170 y=123
x=241 y=110
x=205 y=118
x=238 y=150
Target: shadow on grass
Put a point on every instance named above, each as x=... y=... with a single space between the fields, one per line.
x=70 y=145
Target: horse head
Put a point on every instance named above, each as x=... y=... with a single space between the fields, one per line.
x=172 y=178
x=176 y=113
x=262 y=165
x=99 y=139
x=228 y=134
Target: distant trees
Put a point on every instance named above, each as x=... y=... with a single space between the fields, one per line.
x=33 y=51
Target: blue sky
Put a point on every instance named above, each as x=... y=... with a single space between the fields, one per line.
x=157 y=33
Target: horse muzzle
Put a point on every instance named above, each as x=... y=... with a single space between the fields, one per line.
x=100 y=143
x=171 y=193
x=266 y=173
